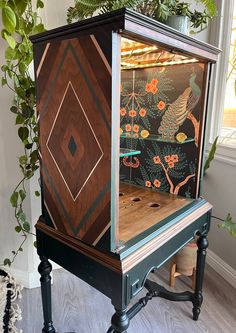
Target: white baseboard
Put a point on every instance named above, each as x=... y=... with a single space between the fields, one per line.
x=26 y=279
x=31 y=279
x=221 y=267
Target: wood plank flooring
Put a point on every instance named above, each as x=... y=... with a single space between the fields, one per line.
x=79 y=308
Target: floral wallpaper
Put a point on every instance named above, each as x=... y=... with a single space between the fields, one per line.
x=161 y=110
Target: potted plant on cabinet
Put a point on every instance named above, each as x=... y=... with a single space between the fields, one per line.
x=172 y=12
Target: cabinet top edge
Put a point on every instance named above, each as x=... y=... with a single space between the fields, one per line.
x=119 y=21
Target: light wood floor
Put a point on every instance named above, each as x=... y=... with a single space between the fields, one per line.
x=79 y=308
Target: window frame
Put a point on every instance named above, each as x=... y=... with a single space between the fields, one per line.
x=220 y=36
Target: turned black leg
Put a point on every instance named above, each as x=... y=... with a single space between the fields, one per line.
x=202 y=244
x=120 y=321
x=45 y=269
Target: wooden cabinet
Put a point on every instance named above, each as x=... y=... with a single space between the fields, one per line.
x=122 y=105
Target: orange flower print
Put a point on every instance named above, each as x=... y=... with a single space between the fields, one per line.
x=123 y=111
x=175 y=158
x=167 y=158
x=142 y=112
x=128 y=128
x=132 y=113
x=157 y=183
x=161 y=105
x=171 y=164
x=148 y=87
x=154 y=90
x=148 y=183
x=154 y=82
x=136 y=128
x=156 y=159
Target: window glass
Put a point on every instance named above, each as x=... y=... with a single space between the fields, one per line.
x=228 y=130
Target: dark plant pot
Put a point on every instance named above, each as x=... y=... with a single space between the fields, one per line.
x=179 y=22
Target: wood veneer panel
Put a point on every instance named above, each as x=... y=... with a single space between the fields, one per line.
x=137 y=216
x=75 y=135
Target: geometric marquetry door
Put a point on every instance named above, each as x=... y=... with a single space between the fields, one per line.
x=74 y=106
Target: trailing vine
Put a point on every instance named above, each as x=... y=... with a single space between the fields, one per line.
x=20 y=19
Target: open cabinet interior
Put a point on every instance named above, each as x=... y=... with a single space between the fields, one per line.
x=161 y=124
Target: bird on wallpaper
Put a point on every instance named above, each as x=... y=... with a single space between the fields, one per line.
x=179 y=110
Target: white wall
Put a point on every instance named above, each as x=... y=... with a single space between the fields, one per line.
x=219 y=189
x=25 y=265
x=220 y=182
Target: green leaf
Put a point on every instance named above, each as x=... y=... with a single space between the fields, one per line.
x=14 y=199
x=4 y=81
x=38 y=29
x=10 y=40
x=21 y=5
x=229 y=225
x=29 y=145
x=37 y=193
x=10 y=53
x=2 y=4
x=26 y=226
x=211 y=155
x=22 y=194
x=40 y=4
x=23 y=159
x=22 y=217
x=7 y=262
x=29 y=174
x=14 y=109
x=210 y=6
x=18 y=228
x=20 y=120
x=27 y=112
x=8 y=19
x=23 y=133
x=20 y=249
x=34 y=156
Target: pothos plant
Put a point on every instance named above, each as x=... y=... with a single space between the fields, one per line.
x=228 y=224
x=20 y=19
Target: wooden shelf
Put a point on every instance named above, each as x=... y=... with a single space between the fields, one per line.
x=153 y=137
x=128 y=152
x=141 y=208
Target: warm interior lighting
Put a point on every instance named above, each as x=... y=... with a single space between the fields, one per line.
x=139 y=55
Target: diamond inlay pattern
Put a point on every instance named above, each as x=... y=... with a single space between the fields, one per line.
x=82 y=153
x=72 y=146
x=74 y=104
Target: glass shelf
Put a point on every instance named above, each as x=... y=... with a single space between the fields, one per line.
x=128 y=152
x=153 y=137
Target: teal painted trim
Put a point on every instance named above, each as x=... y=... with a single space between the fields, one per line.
x=145 y=237
x=204 y=143
x=68 y=219
x=92 y=208
x=89 y=211
x=115 y=140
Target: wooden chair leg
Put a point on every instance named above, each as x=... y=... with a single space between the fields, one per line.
x=172 y=275
x=194 y=279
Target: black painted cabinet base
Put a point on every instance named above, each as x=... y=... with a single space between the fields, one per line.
x=121 y=287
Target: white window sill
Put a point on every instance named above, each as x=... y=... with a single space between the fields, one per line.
x=224 y=154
